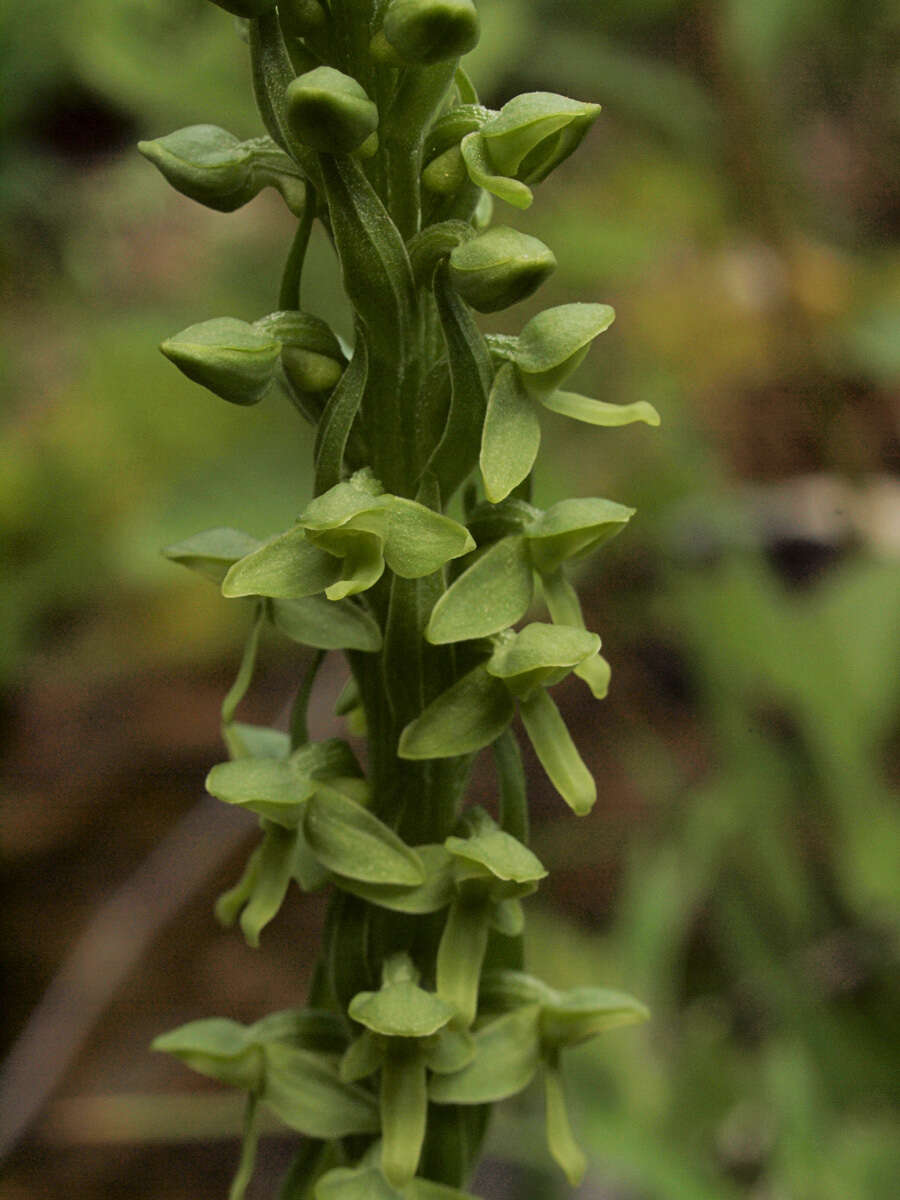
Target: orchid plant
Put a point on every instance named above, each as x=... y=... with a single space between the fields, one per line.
x=421 y=1014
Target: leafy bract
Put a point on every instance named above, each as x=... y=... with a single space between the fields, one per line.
x=511 y=436
x=349 y=840
x=469 y=715
x=327 y=624
x=490 y=595
x=305 y=1091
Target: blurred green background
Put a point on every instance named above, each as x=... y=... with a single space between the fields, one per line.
x=739 y=204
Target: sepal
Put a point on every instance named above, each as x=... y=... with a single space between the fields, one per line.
x=507 y=1056
x=535 y=132
x=553 y=343
x=539 y=656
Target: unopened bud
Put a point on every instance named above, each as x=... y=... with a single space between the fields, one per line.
x=329 y=111
x=430 y=31
x=206 y=164
x=499 y=267
x=227 y=356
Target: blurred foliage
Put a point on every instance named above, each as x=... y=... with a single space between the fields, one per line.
x=740 y=208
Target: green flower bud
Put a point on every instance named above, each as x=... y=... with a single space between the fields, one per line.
x=430 y=31
x=329 y=111
x=205 y=163
x=228 y=356
x=499 y=267
x=246 y=8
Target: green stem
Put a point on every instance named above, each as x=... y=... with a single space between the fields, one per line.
x=238 y=689
x=289 y=293
x=513 y=793
x=244 y=1172
x=299 y=727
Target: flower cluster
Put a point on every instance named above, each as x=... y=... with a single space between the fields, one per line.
x=421 y=1014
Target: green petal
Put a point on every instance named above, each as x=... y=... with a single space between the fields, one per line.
x=599 y=412
x=469 y=715
x=558 y=755
x=404 y=1112
x=499 y=853
x=363 y=1057
x=490 y=595
x=361 y=496
x=511 y=436
x=560 y=1139
x=402 y=1010
x=273 y=876
x=453 y=1049
x=508 y=918
x=460 y=956
x=527 y=127
x=483 y=173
